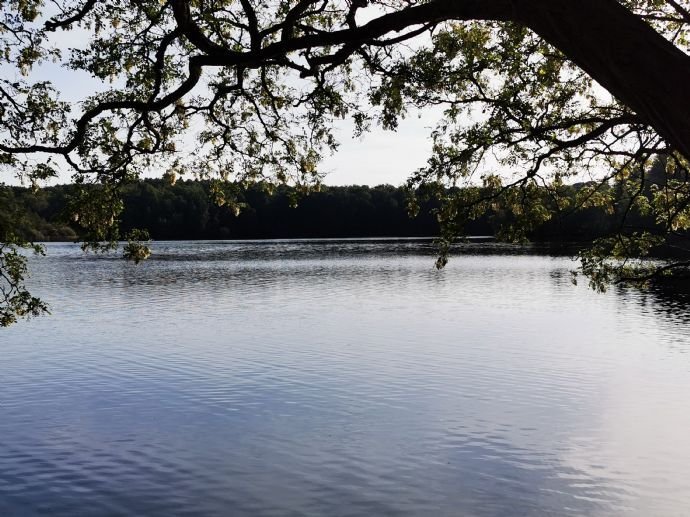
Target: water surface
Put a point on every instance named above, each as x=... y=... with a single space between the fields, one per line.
x=342 y=378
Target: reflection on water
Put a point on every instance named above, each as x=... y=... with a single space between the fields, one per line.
x=342 y=378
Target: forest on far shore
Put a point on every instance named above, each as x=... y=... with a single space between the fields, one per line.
x=186 y=210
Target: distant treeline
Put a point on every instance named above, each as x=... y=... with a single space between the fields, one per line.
x=185 y=210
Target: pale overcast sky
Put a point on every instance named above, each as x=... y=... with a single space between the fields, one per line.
x=381 y=156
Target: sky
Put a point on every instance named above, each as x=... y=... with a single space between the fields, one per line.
x=381 y=156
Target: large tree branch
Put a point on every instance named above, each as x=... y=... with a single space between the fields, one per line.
x=144 y=107
x=55 y=23
x=615 y=46
x=624 y=54
x=612 y=44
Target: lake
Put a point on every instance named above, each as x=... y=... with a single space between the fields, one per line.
x=343 y=377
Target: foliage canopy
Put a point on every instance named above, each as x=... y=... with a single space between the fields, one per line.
x=532 y=94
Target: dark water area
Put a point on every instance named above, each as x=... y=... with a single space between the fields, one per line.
x=344 y=378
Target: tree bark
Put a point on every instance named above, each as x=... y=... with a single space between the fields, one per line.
x=624 y=54
x=612 y=44
x=616 y=47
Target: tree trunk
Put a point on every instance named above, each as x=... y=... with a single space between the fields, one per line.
x=624 y=54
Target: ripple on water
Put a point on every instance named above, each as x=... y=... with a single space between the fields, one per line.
x=343 y=378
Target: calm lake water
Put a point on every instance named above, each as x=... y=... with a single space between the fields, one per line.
x=342 y=378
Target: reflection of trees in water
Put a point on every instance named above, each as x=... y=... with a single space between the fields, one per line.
x=669 y=299
x=673 y=301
